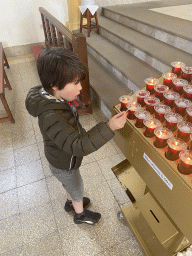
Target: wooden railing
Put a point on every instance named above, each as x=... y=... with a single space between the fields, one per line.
x=4 y=82
x=56 y=34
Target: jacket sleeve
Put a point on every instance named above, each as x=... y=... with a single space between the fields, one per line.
x=69 y=140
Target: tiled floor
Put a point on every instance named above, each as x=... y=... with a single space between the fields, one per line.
x=32 y=218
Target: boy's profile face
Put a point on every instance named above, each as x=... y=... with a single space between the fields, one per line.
x=69 y=92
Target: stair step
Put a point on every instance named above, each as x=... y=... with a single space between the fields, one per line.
x=126 y=67
x=154 y=52
x=106 y=85
x=171 y=30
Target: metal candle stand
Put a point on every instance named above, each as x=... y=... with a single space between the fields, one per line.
x=160 y=214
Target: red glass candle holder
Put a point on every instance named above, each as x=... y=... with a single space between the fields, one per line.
x=160 y=111
x=187 y=73
x=175 y=145
x=189 y=114
x=185 y=165
x=160 y=89
x=168 y=78
x=150 y=125
x=150 y=103
x=141 y=115
x=181 y=105
x=184 y=130
x=141 y=95
x=187 y=92
x=190 y=145
x=150 y=83
x=172 y=119
x=169 y=98
x=162 y=134
x=178 y=85
x=131 y=108
x=125 y=99
x=176 y=67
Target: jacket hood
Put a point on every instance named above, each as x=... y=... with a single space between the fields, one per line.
x=36 y=103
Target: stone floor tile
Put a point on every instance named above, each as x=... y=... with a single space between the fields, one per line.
x=23 y=138
x=107 y=163
x=79 y=240
x=49 y=245
x=14 y=252
x=88 y=159
x=40 y=146
x=111 y=231
x=56 y=189
x=63 y=218
x=107 y=150
x=10 y=233
x=7 y=180
x=9 y=204
x=32 y=195
x=26 y=155
x=29 y=173
x=118 y=192
x=46 y=169
x=7 y=160
x=37 y=222
x=91 y=174
x=101 y=197
x=5 y=142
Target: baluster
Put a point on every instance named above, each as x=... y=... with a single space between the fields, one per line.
x=53 y=35
x=44 y=28
x=48 y=32
x=60 y=40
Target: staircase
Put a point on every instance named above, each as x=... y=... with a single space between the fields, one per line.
x=135 y=43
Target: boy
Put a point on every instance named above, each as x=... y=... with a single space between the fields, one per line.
x=65 y=141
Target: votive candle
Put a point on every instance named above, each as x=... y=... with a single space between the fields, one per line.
x=168 y=78
x=176 y=67
x=132 y=107
x=178 y=85
x=172 y=119
x=150 y=125
x=150 y=83
x=184 y=130
x=160 y=111
x=162 y=134
x=175 y=145
x=189 y=114
x=141 y=115
x=150 y=103
x=160 y=89
x=187 y=73
x=141 y=95
x=185 y=165
x=169 y=98
x=125 y=99
x=187 y=92
x=181 y=105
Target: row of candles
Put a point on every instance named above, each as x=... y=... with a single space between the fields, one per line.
x=187 y=252
x=170 y=92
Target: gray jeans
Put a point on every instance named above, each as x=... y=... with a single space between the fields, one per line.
x=71 y=181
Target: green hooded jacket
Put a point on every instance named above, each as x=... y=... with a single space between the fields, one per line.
x=65 y=141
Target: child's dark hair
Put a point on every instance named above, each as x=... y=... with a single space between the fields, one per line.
x=57 y=67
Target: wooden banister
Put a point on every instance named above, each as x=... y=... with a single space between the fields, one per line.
x=56 y=34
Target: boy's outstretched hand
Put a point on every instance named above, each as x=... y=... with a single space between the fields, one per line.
x=118 y=121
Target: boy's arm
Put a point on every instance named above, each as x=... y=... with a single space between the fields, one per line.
x=68 y=139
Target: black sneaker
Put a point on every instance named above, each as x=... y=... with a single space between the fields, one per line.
x=69 y=206
x=87 y=217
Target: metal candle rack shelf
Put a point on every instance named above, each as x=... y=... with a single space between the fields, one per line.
x=160 y=214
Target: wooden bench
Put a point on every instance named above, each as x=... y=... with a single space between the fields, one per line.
x=4 y=83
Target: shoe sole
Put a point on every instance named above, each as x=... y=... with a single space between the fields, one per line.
x=86 y=222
